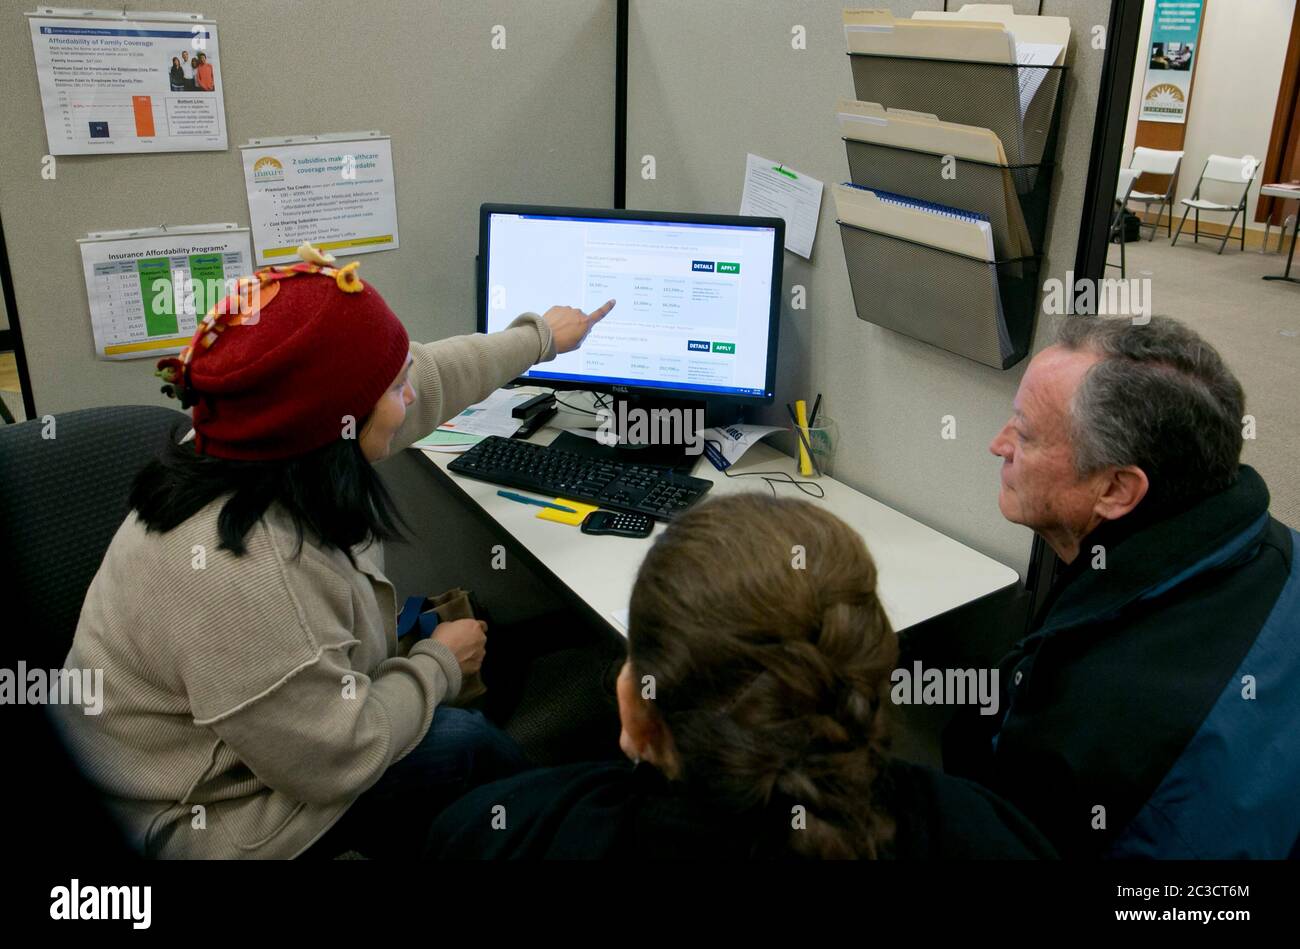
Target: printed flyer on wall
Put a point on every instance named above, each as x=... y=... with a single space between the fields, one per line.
x=1174 y=28
x=336 y=191
x=149 y=288
x=113 y=85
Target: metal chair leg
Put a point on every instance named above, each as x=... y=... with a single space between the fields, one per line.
x=1196 y=234
x=1123 y=261
x=1156 y=225
x=1174 y=242
x=1228 y=233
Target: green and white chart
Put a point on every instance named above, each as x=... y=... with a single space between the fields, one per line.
x=149 y=288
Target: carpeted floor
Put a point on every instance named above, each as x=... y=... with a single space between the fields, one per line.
x=1255 y=325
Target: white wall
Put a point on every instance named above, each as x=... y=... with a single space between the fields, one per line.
x=713 y=81
x=1238 y=71
x=533 y=123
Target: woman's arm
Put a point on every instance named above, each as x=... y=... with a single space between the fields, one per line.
x=328 y=731
x=452 y=373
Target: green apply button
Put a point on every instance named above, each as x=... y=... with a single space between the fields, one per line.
x=725 y=348
x=723 y=267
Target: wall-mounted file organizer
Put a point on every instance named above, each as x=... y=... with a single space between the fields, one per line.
x=988 y=95
x=978 y=309
x=1013 y=197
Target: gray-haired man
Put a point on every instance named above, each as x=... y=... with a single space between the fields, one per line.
x=1153 y=709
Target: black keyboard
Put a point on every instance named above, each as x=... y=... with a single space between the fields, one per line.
x=646 y=489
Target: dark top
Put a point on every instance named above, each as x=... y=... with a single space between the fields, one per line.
x=1126 y=732
x=612 y=810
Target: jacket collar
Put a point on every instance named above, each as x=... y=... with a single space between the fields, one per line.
x=1148 y=553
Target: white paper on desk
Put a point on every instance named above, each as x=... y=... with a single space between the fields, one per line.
x=724 y=444
x=448 y=449
x=786 y=194
x=489 y=417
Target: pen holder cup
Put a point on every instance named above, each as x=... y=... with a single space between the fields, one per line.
x=978 y=309
x=824 y=438
x=987 y=95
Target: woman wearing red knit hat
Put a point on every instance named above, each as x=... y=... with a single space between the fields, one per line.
x=255 y=689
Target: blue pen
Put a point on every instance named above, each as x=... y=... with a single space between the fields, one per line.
x=527 y=500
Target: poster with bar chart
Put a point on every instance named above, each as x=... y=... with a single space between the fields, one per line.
x=113 y=85
x=148 y=289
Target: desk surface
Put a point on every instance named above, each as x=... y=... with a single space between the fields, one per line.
x=1280 y=191
x=923 y=573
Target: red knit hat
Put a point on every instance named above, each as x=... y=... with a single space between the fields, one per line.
x=275 y=370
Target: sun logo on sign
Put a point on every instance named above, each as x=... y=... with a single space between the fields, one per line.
x=1165 y=95
x=268 y=168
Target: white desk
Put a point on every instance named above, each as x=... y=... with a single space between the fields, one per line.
x=922 y=573
x=1287 y=194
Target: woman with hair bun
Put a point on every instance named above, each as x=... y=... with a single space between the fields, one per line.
x=753 y=708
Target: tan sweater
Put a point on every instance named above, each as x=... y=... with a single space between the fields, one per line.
x=248 y=703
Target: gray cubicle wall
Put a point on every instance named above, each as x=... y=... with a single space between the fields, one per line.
x=712 y=81
x=533 y=122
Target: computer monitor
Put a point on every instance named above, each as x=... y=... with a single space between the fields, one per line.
x=698 y=296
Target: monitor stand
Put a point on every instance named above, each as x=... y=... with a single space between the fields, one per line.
x=640 y=444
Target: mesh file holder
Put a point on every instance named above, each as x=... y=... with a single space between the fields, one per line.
x=970 y=93
x=1013 y=197
x=983 y=311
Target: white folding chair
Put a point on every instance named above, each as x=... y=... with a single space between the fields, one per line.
x=1156 y=161
x=1123 y=191
x=1228 y=171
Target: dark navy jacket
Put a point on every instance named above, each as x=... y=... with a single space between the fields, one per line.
x=614 y=811
x=1154 y=711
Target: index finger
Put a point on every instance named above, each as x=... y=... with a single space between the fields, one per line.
x=599 y=314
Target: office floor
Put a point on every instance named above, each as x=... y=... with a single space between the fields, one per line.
x=1255 y=324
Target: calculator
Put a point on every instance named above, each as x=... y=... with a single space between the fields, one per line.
x=621 y=523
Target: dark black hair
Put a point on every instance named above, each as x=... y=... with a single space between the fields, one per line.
x=333 y=492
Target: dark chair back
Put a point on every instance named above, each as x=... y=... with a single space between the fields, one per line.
x=62 y=499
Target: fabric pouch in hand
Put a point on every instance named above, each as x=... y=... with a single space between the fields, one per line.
x=421 y=616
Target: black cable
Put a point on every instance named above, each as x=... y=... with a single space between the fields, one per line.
x=773 y=478
x=573 y=408
x=597 y=399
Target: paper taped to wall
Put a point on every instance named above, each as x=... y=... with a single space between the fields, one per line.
x=772 y=190
x=149 y=288
x=112 y=84
x=335 y=191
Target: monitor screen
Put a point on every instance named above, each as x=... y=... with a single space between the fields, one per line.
x=698 y=296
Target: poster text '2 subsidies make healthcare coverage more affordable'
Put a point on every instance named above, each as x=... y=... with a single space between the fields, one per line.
x=336 y=192
x=115 y=85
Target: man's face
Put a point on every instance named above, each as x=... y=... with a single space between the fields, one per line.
x=1039 y=486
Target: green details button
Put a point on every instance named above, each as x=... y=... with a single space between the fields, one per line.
x=729 y=348
x=727 y=268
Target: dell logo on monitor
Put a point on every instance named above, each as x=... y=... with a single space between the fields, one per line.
x=704 y=265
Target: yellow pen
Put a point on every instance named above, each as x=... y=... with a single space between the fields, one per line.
x=801 y=416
